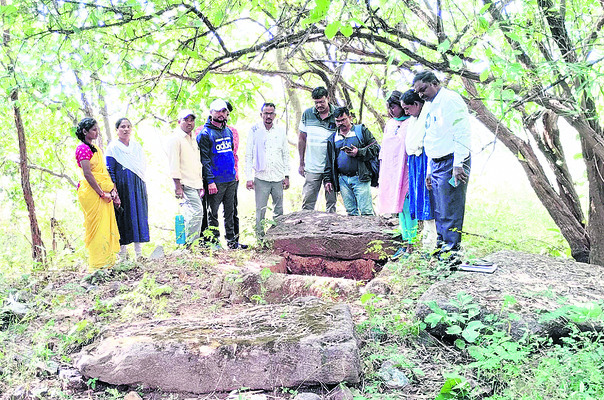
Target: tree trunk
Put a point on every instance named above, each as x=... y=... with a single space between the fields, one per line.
x=102 y=106
x=38 y=250
x=595 y=228
x=572 y=229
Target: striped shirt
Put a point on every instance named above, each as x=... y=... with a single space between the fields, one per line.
x=317 y=132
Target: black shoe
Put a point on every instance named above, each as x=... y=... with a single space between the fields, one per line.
x=236 y=245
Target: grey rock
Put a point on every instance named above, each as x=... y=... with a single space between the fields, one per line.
x=377 y=286
x=132 y=396
x=340 y=392
x=39 y=392
x=14 y=308
x=262 y=348
x=307 y=396
x=535 y=283
x=334 y=236
x=158 y=253
x=66 y=373
x=48 y=367
x=393 y=377
x=19 y=393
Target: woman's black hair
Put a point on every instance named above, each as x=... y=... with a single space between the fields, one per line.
x=395 y=98
x=119 y=122
x=85 y=125
x=410 y=98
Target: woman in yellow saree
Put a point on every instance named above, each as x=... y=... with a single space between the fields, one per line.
x=97 y=196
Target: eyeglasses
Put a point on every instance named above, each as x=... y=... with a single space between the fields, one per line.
x=267 y=114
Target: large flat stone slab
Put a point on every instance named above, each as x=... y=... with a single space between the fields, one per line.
x=335 y=236
x=526 y=285
x=305 y=343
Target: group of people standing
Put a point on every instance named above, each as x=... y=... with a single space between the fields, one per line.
x=424 y=162
x=424 y=165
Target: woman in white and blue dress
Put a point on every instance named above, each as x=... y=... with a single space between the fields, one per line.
x=126 y=165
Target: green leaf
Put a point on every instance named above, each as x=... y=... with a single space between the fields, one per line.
x=508 y=301
x=433 y=319
x=454 y=330
x=470 y=335
x=444 y=46
x=484 y=75
x=346 y=30
x=483 y=23
x=332 y=29
x=449 y=385
x=513 y=36
x=366 y=297
x=456 y=63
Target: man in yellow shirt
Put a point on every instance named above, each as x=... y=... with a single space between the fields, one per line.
x=186 y=171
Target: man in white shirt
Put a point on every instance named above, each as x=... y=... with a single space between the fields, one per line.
x=267 y=165
x=186 y=171
x=447 y=145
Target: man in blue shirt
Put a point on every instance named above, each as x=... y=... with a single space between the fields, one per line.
x=216 y=147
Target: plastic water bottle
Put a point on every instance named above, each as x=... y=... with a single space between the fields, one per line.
x=179 y=227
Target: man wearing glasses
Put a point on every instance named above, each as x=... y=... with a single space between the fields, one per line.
x=447 y=145
x=267 y=165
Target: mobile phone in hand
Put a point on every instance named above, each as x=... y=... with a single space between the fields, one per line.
x=452 y=180
x=346 y=148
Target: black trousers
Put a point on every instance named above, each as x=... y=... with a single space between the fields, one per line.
x=226 y=196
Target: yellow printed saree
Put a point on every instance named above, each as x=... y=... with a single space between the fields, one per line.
x=102 y=236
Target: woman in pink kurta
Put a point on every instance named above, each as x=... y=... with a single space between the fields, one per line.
x=394 y=173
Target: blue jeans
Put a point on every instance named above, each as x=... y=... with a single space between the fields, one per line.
x=356 y=195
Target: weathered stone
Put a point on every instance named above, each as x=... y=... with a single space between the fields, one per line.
x=359 y=269
x=335 y=236
x=262 y=348
x=19 y=393
x=378 y=287
x=340 y=392
x=12 y=310
x=47 y=367
x=393 y=377
x=157 y=254
x=132 y=396
x=307 y=396
x=71 y=379
x=39 y=392
x=246 y=284
x=536 y=283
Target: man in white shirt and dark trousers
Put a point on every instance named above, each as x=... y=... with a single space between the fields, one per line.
x=447 y=145
x=267 y=161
